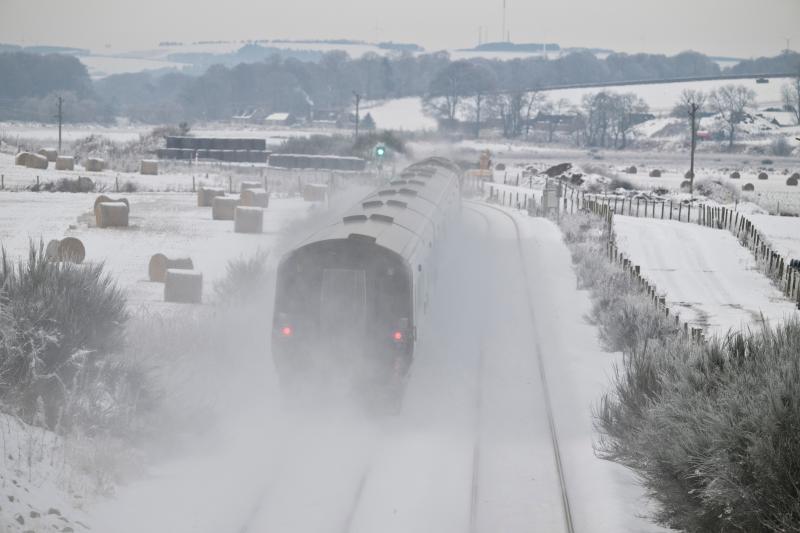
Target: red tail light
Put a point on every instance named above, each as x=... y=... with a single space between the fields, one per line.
x=287 y=331
x=397 y=336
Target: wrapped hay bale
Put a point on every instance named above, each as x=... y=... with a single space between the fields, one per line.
x=248 y=220
x=631 y=170
x=206 y=195
x=314 y=192
x=68 y=249
x=735 y=175
x=183 y=286
x=65 y=162
x=655 y=173
x=149 y=167
x=36 y=161
x=50 y=153
x=254 y=198
x=223 y=208
x=85 y=184
x=160 y=263
x=763 y=176
x=243 y=186
x=112 y=214
x=94 y=164
x=685 y=185
x=748 y=187
x=792 y=181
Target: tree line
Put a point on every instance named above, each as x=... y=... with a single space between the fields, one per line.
x=477 y=87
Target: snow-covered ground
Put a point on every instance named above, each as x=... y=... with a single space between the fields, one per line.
x=706 y=275
x=782 y=232
x=168 y=223
x=475 y=384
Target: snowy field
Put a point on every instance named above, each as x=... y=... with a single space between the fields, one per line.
x=783 y=233
x=405 y=114
x=169 y=223
x=706 y=275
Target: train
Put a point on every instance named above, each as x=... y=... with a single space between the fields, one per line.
x=351 y=298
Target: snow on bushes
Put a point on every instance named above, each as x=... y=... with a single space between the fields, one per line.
x=712 y=429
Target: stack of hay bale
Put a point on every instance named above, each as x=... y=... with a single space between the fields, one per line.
x=248 y=220
x=65 y=162
x=206 y=195
x=149 y=167
x=160 y=263
x=94 y=164
x=111 y=213
x=313 y=192
x=254 y=198
x=223 y=208
x=183 y=286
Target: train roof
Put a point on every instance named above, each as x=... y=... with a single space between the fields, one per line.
x=399 y=213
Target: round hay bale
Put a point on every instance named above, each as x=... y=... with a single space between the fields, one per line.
x=85 y=184
x=748 y=187
x=500 y=166
x=206 y=195
x=248 y=220
x=685 y=185
x=688 y=175
x=160 y=263
x=51 y=252
x=223 y=208
x=112 y=214
x=65 y=162
x=149 y=167
x=243 y=186
x=21 y=159
x=792 y=181
x=50 y=153
x=655 y=173
x=71 y=249
x=763 y=176
x=255 y=198
x=735 y=175
x=631 y=170
x=36 y=161
x=94 y=164
x=183 y=286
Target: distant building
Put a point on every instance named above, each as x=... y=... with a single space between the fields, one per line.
x=248 y=116
x=279 y=119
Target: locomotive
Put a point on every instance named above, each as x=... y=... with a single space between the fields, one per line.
x=351 y=297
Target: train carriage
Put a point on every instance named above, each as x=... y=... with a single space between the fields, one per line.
x=350 y=298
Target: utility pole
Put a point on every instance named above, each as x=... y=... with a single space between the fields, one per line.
x=693 y=107
x=358 y=103
x=503 y=34
x=60 y=117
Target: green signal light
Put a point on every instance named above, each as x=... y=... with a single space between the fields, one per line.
x=380 y=151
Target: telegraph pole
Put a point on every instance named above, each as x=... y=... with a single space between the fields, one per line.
x=358 y=102
x=693 y=107
x=60 y=117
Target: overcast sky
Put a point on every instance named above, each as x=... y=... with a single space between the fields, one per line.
x=741 y=28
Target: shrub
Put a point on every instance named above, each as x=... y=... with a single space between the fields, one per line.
x=780 y=147
x=60 y=321
x=712 y=429
x=246 y=279
x=621 y=183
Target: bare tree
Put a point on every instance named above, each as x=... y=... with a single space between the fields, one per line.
x=731 y=102
x=448 y=88
x=555 y=110
x=791 y=97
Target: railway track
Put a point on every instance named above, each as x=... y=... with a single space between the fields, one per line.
x=564 y=495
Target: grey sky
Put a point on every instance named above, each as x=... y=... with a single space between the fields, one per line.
x=721 y=27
